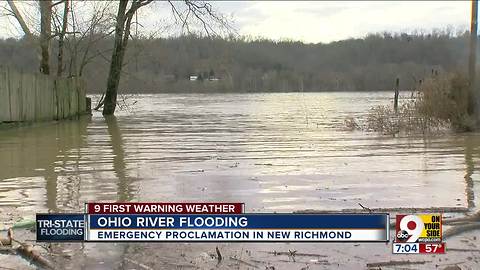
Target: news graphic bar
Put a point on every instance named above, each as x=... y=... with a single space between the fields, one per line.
x=60 y=227
x=418 y=248
x=164 y=208
x=239 y=228
x=418 y=234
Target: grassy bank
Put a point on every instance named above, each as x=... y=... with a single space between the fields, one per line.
x=441 y=103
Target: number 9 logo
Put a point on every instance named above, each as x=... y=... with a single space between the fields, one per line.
x=413 y=225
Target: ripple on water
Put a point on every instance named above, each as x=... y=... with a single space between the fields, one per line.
x=208 y=147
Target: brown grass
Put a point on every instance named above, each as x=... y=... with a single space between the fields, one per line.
x=440 y=104
x=351 y=123
x=446 y=99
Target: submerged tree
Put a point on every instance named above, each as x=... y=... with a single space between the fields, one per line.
x=122 y=35
x=192 y=11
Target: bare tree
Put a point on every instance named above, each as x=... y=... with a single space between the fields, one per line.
x=199 y=13
x=193 y=11
x=45 y=7
x=122 y=33
x=85 y=33
x=61 y=38
x=16 y=13
x=26 y=27
x=40 y=32
x=45 y=34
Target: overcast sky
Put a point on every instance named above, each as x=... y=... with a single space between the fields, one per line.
x=321 y=21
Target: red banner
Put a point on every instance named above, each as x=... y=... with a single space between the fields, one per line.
x=165 y=208
x=432 y=248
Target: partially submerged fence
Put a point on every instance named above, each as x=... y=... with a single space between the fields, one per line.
x=37 y=97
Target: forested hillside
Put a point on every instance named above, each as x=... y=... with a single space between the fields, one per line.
x=251 y=65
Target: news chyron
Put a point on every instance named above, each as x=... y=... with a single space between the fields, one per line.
x=207 y=222
x=418 y=234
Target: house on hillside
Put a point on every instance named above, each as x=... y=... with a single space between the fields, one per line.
x=204 y=76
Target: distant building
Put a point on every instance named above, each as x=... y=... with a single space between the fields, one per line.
x=203 y=77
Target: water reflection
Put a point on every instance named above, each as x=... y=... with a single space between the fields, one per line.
x=471 y=148
x=276 y=152
x=119 y=167
x=33 y=158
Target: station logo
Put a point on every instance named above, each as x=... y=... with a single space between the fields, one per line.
x=418 y=228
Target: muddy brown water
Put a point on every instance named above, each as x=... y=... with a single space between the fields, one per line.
x=278 y=152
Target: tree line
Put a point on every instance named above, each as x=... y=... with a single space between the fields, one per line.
x=241 y=64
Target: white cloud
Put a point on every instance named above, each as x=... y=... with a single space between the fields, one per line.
x=319 y=21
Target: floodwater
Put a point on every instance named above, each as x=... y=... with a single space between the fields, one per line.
x=277 y=152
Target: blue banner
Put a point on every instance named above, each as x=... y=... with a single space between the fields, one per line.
x=245 y=221
x=60 y=227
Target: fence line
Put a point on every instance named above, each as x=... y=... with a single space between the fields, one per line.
x=36 y=97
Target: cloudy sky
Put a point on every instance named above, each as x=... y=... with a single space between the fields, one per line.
x=321 y=21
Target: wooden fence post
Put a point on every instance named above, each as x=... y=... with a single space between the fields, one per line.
x=395 y=99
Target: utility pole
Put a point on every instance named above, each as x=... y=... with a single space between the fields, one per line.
x=474 y=97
